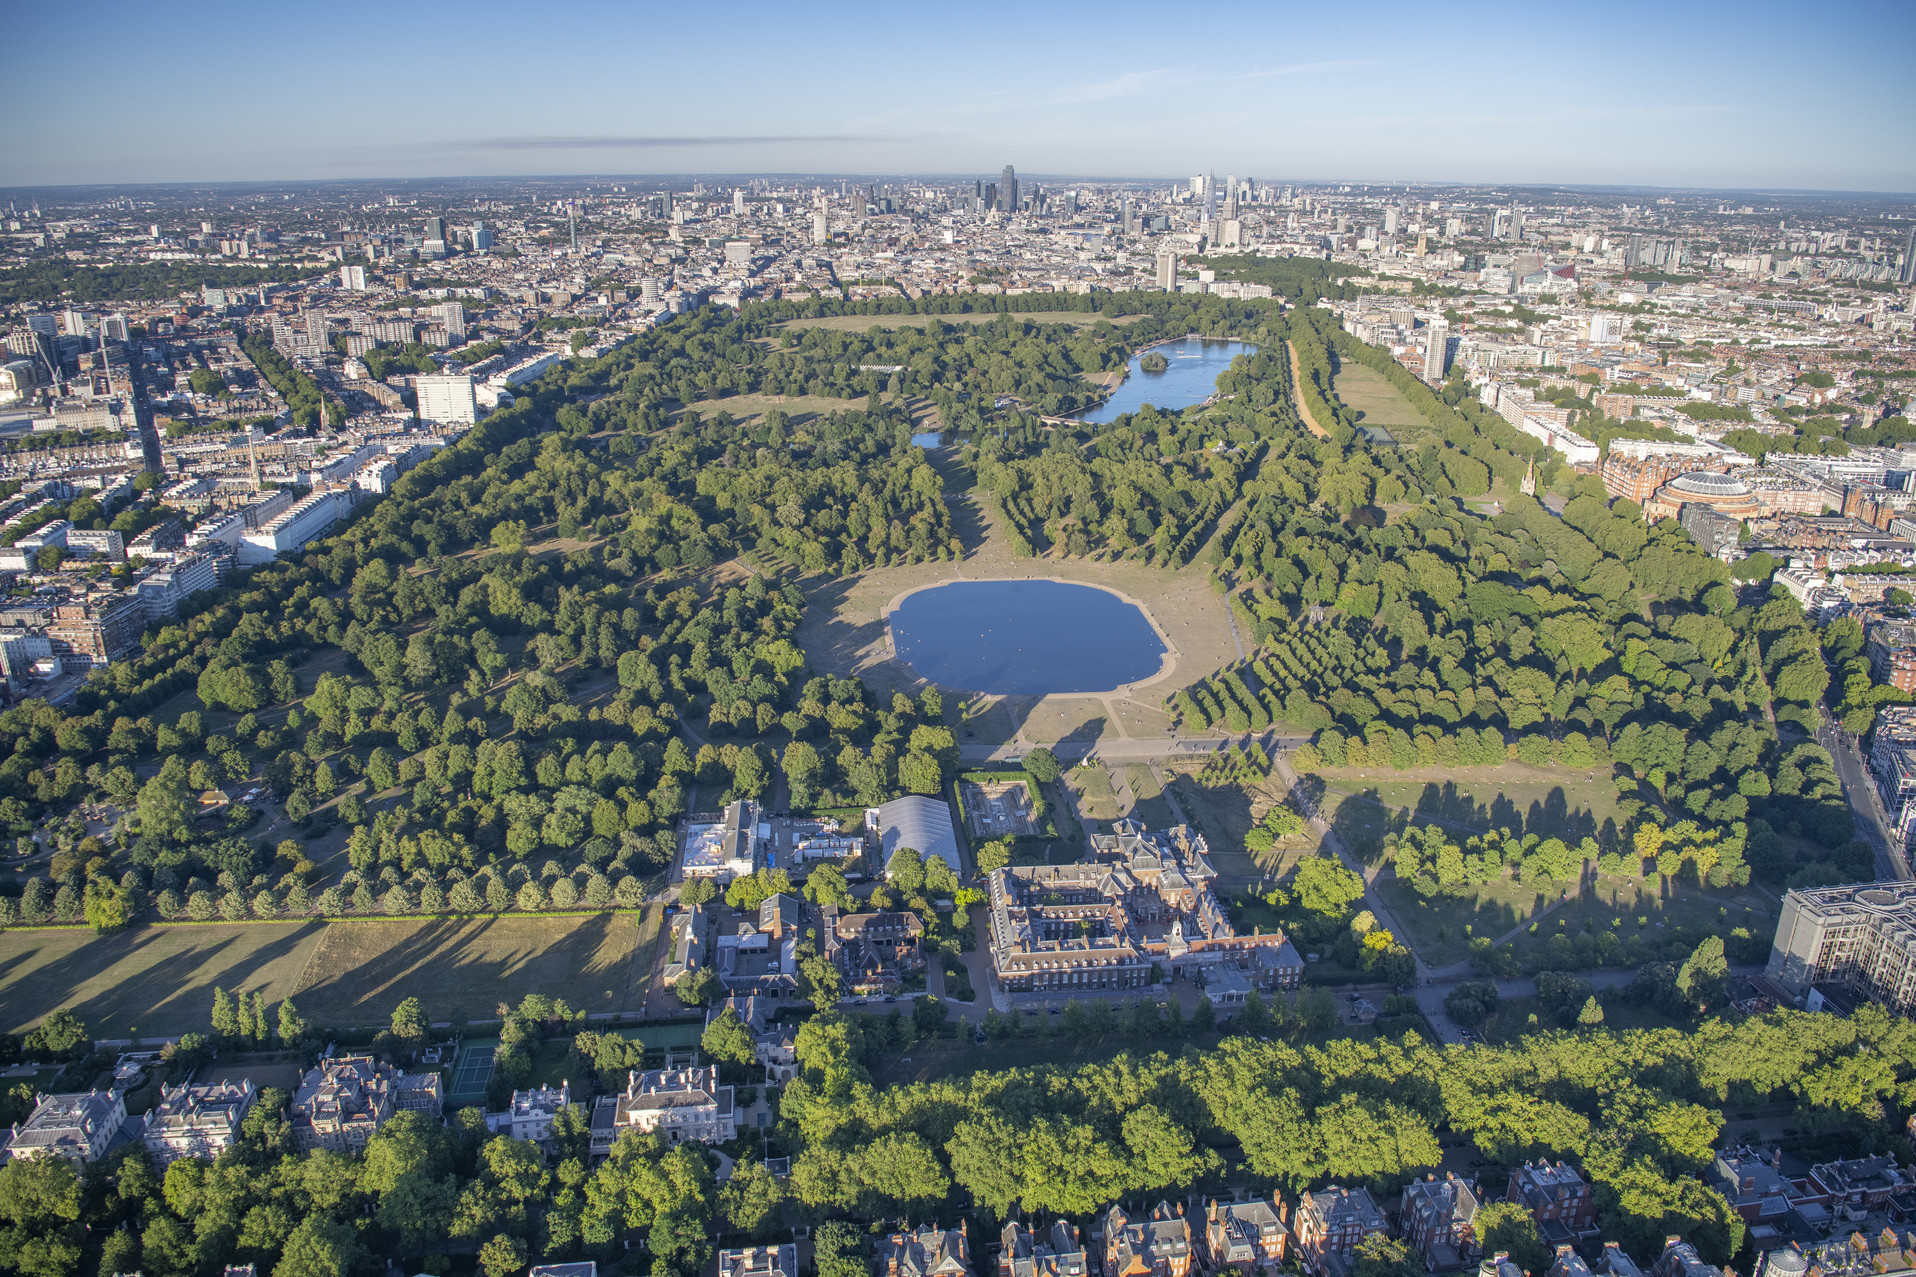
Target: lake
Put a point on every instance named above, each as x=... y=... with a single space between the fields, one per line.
x=1025 y=637
x=1191 y=377
x=927 y=439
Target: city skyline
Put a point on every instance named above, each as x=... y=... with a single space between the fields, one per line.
x=1502 y=96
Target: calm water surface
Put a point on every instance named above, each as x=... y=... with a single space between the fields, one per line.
x=1191 y=378
x=1025 y=637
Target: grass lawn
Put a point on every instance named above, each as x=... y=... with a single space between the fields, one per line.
x=148 y=981
x=1653 y=910
x=1442 y=927
x=1364 y=804
x=1379 y=402
x=462 y=970
x=158 y=981
x=1150 y=807
x=1512 y=1023
x=800 y=408
x=1097 y=798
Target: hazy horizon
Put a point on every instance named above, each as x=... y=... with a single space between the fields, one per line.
x=1695 y=97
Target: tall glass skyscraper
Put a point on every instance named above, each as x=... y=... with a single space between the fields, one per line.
x=1008 y=190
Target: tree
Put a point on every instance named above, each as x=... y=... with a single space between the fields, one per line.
x=292 y=1025
x=995 y=854
x=60 y=1034
x=1472 y=1003
x=698 y=891
x=502 y=1256
x=1044 y=765
x=678 y=1241
x=232 y=683
x=752 y=1199
x=1323 y=886
x=166 y=802
x=108 y=905
x=839 y=1250
x=1381 y=1255
x=321 y=1246
x=1508 y=1226
x=826 y=885
x=1562 y=996
x=1703 y=977
x=695 y=988
x=34 y=1190
x=1592 y=1014
x=929 y=1014
x=906 y=870
x=727 y=1038
x=803 y=769
x=409 y=1021
x=939 y=878
x=820 y=981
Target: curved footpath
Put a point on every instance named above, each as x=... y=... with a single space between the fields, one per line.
x=1297 y=395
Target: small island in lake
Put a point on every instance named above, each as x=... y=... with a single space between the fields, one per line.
x=1154 y=362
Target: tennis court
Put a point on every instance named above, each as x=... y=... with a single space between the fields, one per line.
x=665 y=1037
x=474 y=1073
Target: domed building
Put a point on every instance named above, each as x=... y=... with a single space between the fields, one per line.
x=1726 y=494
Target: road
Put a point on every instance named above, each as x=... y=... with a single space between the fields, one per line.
x=1872 y=822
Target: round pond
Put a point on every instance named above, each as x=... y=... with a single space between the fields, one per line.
x=1025 y=637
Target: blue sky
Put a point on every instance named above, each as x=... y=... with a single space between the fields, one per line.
x=1749 y=95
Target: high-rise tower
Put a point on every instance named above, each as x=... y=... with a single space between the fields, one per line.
x=1008 y=190
x=1436 y=350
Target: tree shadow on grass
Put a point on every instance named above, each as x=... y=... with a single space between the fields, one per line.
x=1460 y=812
x=832 y=642
x=461 y=970
x=1363 y=820
x=171 y=993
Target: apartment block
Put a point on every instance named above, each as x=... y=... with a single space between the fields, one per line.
x=1753 y=1183
x=1863 y=935
x=1891 y=650
x=96 y=632
x=874 y=951
x=1679 y=1259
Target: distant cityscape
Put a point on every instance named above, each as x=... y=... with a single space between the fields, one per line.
x=394 y=319
x=204 y=382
